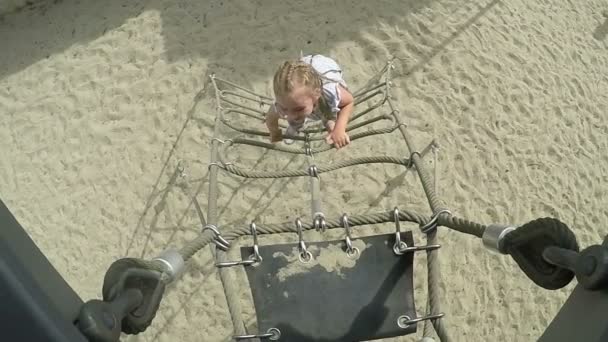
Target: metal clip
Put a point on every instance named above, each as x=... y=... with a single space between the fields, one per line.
x=313 y=171
x=272 y=334
x=432 y=224
x=405 y=321
x=218 y=239
x=411 y=159
x=253 y=258
x=308 y=151
x=220 y=165
x=256 y=251
x=319 y=222
x=350 y=250
x=399 y=245
x=305 y=256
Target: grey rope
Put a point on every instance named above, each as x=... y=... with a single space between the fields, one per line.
x=255 y=98
x=226 y=275
x=296 y=150
x=217 y=79
x=246 y=113
x=315 y=138
x=434 y=272
x=320 y=169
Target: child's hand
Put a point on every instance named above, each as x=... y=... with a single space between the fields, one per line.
x=276 y=136
x=338 y=137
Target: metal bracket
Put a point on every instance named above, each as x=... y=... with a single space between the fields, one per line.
x=218 y=239
x=272 y=334
x=405 y=321
x=253 y=259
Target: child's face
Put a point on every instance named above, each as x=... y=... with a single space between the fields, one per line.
x=298 y=104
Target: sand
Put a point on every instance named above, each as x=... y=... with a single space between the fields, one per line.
x=95 y=99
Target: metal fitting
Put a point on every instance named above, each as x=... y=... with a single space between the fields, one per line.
x=493 y=237
x=173 y=263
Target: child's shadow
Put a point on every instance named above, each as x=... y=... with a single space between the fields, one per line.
x=601 y=31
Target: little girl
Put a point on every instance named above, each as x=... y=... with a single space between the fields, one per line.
x=311 y=88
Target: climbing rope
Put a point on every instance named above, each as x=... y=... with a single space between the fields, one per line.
x=320 y=169
x=434 y=274
x=296 y=150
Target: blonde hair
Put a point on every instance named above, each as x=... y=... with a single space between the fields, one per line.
x=295 y=73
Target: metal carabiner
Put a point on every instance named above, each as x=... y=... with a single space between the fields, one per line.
x=305 y=256
x=350 y=250
x=399 y=245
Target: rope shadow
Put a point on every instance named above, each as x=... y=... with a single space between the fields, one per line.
x=395 y=182
x=439 y=48
x=254 y=207
x=190 y=30
x=172 y=178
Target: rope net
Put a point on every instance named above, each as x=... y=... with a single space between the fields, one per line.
x=233 y=100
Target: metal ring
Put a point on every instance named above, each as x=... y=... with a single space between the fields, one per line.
x=352 y=253
x=350 y=250
x=272 y=334
x=405 y=321
x=400 y=248
x=305 y=257
x=432 y=224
